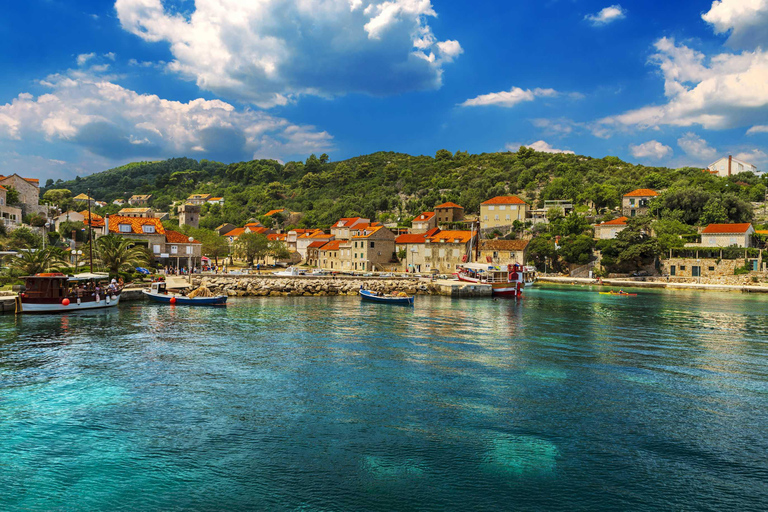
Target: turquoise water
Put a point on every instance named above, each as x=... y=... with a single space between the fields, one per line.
x=566 y=400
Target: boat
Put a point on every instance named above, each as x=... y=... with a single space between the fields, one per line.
x=160 y=292
x=623 y=294
x=505 y=280
x=529 y=275
x=370 y=296
x=54 y=292
x=290 y=272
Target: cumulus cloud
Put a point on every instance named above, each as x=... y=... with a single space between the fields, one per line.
x=509 y=98
x=650 y=149
x=606 y=15
x=759 y=128
x=725 y=91
x=271 y=51
x=539 y=145
x=91 y=113
x=695 y=146
x=755 y=157
x=83 y=58
x=744 y=20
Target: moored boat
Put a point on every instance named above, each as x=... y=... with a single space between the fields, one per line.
x=506 y=280
x=370 y=296
x=159 y=292
x=54 y=292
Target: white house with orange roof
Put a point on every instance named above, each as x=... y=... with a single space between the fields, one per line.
x=216 y=200
x=167 y=247
x=727 y=235
x=342 y=229
x=502 y=211
x=444 y=250
x=29 y=193
x=306 y=237
x=637 y=202
x=413 y=244
x=609 y=230
x=423 y=222
x=198 y=199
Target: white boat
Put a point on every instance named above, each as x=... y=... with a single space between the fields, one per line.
x=505 y=280
x=290 y=272
x=57 y=293
x=529 y=275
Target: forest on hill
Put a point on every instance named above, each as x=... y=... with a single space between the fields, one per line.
x=389 y=186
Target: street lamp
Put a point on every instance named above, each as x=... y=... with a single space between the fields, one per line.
x=189 y=260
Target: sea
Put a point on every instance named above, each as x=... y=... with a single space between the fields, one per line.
x=563 y=400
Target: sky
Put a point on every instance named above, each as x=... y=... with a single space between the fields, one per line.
x=89 y=85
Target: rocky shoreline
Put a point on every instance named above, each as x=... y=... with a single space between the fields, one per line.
x=264 y=286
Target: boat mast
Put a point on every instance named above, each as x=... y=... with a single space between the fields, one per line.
x=90 y=228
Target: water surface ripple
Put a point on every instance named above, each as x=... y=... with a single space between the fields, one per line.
x=567 y=400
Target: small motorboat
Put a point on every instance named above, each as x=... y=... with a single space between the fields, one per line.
x=159 y=292
x=290 y=272
x=621 y=294
x=370 y=296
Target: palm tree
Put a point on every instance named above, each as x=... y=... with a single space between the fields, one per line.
x=118 y=253
x=40 y=260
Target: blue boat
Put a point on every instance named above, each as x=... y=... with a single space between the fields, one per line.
x=159 y=293
x=370 y=296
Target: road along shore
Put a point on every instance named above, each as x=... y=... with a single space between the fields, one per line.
x=627 y=283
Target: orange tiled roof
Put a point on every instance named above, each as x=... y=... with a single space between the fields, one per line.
x=621 y=221
x=346 y=221
x=276 y=236
x=410 y=239
x=333 y=245
x=136 y=224
x=3 y=188
x=257 y=229
x=368 y=231
x=642 y=192
x=174 y=237
x=424 y=217
x=449 y=205
x=215 y=199
x=317 y=244
x=318 y=234
x=273 y=212
x=235 y=232
x=134 y=210
x=32 y=180
x=714 y=229
x=432 y=232
x=199 y=196
x=97 y=220
x=504 y=200
x=450 y=236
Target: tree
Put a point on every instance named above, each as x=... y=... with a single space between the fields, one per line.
x=120 y=254
x=576 y=249
x=31 y=262
x=57 y=195
x=250 y=246
x=12 y=196
x=23 y=238
x=542 y=248
x=324 y=158
x=278 y=250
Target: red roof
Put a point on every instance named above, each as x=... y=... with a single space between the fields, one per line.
x=97 y=220
x=257 y=229
x=273 y=212
x=317 y=244
x=235 y=232
x=276 y=236
x=174 y=237
x=642 y=192
x=621 y=221
x=136 y=223
x=432 y=232
x=449 y=205
x=714 y=229
x=504 y=200
x=424 y=217
x=346 y=221
x=410 y=239
x=333 y=245
x=3 y=188
x=452 y=236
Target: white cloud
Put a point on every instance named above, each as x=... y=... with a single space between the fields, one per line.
x=509 y=98
x=539 y=145
x=759 y=128
x=93 y=114
x=745 y=20
x=84 y=57
x=695 y=146
x=268 y=52
x=606 y=15
x=650 y=149
x=726 y=92
x=755 y=157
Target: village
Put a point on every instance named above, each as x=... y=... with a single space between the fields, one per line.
x=435 y=243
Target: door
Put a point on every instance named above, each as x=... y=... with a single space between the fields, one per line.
x=672 y=270
x=754 y=265
x=696 y=271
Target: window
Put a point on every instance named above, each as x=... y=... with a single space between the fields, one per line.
x=495 y=254
x=174 y=249
x=442 y=253
x=502 y=207
x=156 y=249
x=428 y=251
x=372 y=246
x=696 y=271
x=513 y=207
x=190 y=249
x=491 y=208
x=496 y=217
x=486 y=218
x=125 y=228
x=632 y=202
x=355 y=245
x=633 y=212
x=711 y=269
x=682 y=268
x=672 y=270
x=456 y=253
x=712 y=241
x=733 y=240
x=509 y=218
x=147 y=228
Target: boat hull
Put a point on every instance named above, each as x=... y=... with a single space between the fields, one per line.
x=181 y=300
x=31 y=307
x=370 y=297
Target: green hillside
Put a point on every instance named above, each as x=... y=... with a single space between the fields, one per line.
x=391 y=186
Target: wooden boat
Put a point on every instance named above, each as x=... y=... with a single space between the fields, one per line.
x=370 y=296
x=159 y=292
x=506 y=280
x=623 y=294
x=54 y=292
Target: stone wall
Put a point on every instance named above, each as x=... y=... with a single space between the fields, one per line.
x=710 y=267
x=254 y=286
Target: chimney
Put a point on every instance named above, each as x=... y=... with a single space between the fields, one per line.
x=106 y=225
x=730 y=161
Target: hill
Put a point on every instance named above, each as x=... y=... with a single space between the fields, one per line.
x=391 y=186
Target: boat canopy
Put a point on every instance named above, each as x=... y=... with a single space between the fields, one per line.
x=479 y=266
x=87 y=276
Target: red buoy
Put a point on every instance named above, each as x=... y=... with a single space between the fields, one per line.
x=65 y=302
x=173 y=300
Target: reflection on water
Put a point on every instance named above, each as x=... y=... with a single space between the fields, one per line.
x=563 y=400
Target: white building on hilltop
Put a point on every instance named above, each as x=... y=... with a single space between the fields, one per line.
x=728 y=165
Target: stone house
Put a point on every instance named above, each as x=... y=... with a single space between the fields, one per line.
x=448 y=212
x=140 y=200
x=502 y=211
x=10 y=216
x=189 y=215
x=424 y=222
x=373 y=249
x=29 y=194
x=445 y=250
x=727 y=235
x=303 y=238
x=342 y=229
x=608 y=230
x=198 y=199
x=637 y=202
x=413 y=244
x=313 y=253
x=137 y=212
x=503 y=252
x=167 y=247
x=225 y=228
x=331 y=255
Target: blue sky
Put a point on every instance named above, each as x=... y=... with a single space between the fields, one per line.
x=90 y=85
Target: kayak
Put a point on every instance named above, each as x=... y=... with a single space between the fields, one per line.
x=624 y=294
